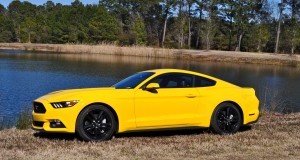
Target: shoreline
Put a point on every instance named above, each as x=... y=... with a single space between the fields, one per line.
x=141 y=51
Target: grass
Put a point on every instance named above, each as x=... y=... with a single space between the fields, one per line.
x=5 y=123
x=195 y=55
x=275 y=136
x=23 y=121
x=2 y=123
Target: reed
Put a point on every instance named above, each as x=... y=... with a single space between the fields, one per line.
x=23 y=121
x=2 y=123
x=144 y=51
x=273 y=101
x=5 y=123
x=103 y=48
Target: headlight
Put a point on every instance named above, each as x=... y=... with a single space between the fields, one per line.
x=64 y=104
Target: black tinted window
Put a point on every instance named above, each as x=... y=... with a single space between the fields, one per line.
x=133 y=81
x=203 y=82
x=173 y=80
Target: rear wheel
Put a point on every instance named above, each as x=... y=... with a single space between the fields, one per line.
x=96 y=123
x=226 y=119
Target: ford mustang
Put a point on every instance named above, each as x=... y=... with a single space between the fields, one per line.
x=153 y=99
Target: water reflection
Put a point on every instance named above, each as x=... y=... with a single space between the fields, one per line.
x=25 y=76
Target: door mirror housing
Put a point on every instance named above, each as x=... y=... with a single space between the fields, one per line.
x=152 y=86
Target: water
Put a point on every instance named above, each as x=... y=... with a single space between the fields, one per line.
x=25 y=76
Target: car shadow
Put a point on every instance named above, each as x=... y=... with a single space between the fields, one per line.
x=173 y=132
x=147 y=133
x=245 y=128
x=163 y=133
x=55 y=136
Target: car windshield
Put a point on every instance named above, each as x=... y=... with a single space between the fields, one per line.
x=133 y=81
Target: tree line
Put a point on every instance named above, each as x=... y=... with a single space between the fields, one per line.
x=233 y=25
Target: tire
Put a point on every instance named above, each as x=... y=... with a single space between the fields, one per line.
x=96 y=123
x=226 y=119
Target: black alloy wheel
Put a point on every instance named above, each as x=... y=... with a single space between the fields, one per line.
x=96 y=123
x=226 y=119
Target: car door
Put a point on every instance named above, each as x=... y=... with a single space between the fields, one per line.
x=174 y=103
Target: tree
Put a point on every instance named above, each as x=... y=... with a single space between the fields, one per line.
x=199 y=9
x=262 y=17
x=227 y=14
x=103 y=27
x=190 y=4
x=241 y=25
x=166 y=5
x=262 y=35
x=138 y=31
x=28 y=28
x=153 y=20
x=294 y=7
x=2 y=9
x=49 y=6
x=243 y=17
x=209 y=27
x=281 y=8
x=6 y=32
x=14 y=12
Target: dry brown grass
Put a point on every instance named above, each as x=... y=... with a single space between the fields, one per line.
x=275 y=136
x=196 y=55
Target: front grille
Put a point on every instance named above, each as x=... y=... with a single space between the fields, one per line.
x=38 y=124
x=39 y=107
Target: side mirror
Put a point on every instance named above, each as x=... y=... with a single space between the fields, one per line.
x=152 y=86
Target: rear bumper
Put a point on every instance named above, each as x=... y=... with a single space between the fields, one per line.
x=254 y=121
x=251 y=111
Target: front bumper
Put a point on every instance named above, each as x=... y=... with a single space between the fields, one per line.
x=46 y=121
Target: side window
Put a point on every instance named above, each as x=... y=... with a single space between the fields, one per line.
x=203 y=82
x=173 y=80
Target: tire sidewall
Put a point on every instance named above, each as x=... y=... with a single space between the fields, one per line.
x=214 y=126
x=80 y=119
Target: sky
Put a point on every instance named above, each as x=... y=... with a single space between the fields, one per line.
x=5 y=3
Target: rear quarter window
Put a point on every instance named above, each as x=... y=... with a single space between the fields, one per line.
x=204 y=82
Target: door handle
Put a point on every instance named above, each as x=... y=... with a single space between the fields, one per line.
x=190 y=96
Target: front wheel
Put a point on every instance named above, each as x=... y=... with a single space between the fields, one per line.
x=226 y=119
x=96 y=123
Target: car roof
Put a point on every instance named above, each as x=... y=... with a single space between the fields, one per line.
x=166 y=70
x=169 y=70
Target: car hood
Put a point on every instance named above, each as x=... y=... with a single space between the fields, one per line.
x=76 y=94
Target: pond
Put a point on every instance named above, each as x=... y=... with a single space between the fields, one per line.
x=25 y=76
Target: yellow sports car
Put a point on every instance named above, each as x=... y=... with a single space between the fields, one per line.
x=153 y=99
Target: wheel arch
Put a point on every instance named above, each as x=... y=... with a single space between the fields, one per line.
x=238 y=107
x=216 y=128
x=108 y=107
